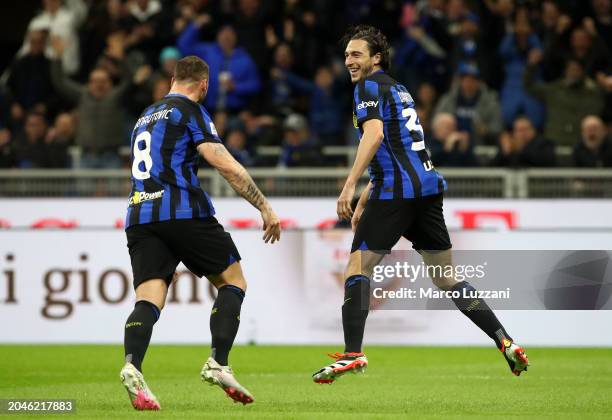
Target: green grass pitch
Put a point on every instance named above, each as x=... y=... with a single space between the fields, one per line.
x=401 y=382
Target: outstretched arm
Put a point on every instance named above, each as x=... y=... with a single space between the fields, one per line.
x=237 y=176
x=373 y=135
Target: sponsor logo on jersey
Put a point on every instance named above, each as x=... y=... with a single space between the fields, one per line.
x=140 y=196
x=367 y=104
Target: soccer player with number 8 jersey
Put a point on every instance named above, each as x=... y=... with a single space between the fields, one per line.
x=403 y=198
x=170 y=219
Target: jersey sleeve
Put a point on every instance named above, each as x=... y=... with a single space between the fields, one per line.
x=368 y=103
x=202 y=128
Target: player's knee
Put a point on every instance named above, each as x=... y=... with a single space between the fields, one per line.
x=444 y=283
x=362 y=263
x=238 y=282
x=437 y=263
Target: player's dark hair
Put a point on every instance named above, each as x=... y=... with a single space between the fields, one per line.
x=377 y=41
x=191 y=69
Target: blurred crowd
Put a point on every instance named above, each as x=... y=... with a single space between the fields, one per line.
x=525 y=78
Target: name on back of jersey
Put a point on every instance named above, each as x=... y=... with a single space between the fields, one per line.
x=164 y=114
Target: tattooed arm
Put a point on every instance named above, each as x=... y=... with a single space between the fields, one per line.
x=237 y=176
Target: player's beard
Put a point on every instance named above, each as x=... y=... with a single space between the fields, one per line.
x=366 y=69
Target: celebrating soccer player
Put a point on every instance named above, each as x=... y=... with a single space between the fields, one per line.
x=170 y=219
x=403 y=198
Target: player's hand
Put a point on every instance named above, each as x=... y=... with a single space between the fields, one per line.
x=356 y=217
x=344 y=202
x=271 y=226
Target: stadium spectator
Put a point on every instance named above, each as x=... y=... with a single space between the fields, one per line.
x=101 y=128
x=604 y=79
x=523 y=147
x=234 y=78
x=251 y=21
x=513 y=51
x=149 y=86
x=161 y=87
x=261 y=130
x=30 y=143
x=552 y=23
x=421 y=52
x=595 y=147
x=567 y=100
x=447 y=145
x=235 y=142
x=167 y=61
x=299 y=148
x=582 y=44
x=602 y=20
x=29 y=82
x=309 y=37
x=467 y=46
x=63 y=130
x=7 y=149
x=57 y=140
x=474 y=105
x=280 y=97
x=61 y=21
x=427 y=97
x=148 y=28
x=326 y=111
x=325 y=97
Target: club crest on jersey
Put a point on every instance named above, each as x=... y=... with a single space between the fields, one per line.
x=367 y=104
x=405 y=97
x=140 y=196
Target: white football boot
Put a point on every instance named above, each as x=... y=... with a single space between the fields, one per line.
x=215 y=374
x=140 y=395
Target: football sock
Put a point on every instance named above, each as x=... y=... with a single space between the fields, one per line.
x=138 y=330
x=355 y=311
x=479 y=313
x=224 y=321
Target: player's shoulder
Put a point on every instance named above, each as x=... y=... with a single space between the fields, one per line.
x=379 y=82
x=380 y=78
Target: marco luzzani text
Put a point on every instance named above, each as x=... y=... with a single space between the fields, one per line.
x=392 y=274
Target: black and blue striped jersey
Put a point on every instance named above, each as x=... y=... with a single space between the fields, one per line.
x=401 y=168
x=165 y=185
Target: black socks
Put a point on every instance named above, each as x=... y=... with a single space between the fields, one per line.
x=480 y=314
x=224 y=321
x=355 y=311
x=138 y=330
